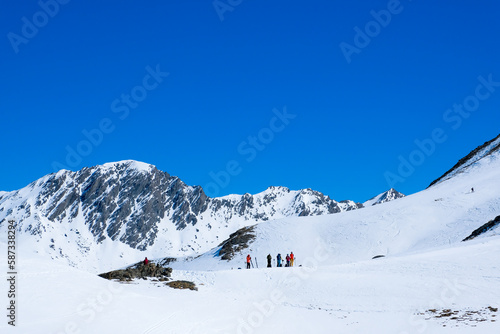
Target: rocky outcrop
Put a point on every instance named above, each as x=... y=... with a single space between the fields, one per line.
x=139 y=270
x=237 y=242
x=484 y=228
x=182 y=285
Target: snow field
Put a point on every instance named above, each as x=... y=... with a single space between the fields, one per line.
x=375 y=296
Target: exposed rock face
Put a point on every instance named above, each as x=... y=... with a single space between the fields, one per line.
x=237 y=242
x=182 y=285
x=136 y=204
x=139 y=270
x=492 y=224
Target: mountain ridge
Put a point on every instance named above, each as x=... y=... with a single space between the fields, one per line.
x=135 y=204
x=475 y=155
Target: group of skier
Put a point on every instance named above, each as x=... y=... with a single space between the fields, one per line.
x=290 y=258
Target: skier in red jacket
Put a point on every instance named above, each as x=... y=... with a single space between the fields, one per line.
x=287 y=260
x=146 y=261
x=249 y=258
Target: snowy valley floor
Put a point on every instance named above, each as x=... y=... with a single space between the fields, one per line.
x=455 y=289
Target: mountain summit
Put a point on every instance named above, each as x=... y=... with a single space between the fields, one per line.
x=384 y=197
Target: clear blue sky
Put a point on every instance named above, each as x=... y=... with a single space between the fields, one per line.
x=355 y=102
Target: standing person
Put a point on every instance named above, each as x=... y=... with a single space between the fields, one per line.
x=249 y=258
x=287 y=260
x=292 y=257
x=279 y=260
x=269 y=258
x=146 y=261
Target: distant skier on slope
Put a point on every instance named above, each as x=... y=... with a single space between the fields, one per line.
x=292 y=258
x=146 y=261
x=279 y=260
x=287 y=260
x=269 y=258
x=249 y=258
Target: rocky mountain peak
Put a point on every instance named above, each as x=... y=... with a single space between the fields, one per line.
x=134 y=204
x=387 y=196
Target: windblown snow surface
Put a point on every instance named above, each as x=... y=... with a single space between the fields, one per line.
x=428 y=280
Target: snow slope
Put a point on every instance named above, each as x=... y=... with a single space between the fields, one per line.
x=440 y=216
x=475 y=155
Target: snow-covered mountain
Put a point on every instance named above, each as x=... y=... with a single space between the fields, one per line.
x=425 y=278
x=128 y=209
x=132 y=205
x=387 y=196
